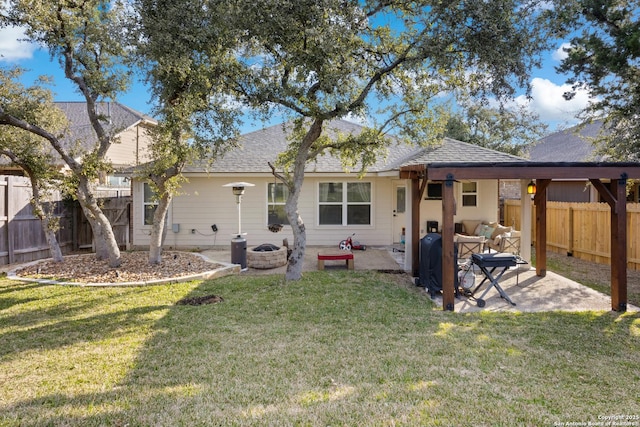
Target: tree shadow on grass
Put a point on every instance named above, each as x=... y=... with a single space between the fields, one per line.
x=67 y=332
x=275 y=353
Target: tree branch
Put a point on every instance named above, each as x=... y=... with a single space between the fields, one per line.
x=7 y=119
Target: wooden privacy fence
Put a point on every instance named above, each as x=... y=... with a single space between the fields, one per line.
x=582 y=230
x=21 y=236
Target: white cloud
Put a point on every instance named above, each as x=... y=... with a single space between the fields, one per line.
x=359 y=120
x=12 y=47
x=560 y=53
x=547 y=101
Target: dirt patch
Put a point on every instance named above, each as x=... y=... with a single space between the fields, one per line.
x=207 y=299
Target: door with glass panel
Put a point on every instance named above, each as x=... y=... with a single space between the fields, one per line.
x=399 y=207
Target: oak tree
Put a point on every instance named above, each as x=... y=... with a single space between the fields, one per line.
x=387 y=62
x=603 y=58
x=31 y=152
x=183 y=48
x=84 y=37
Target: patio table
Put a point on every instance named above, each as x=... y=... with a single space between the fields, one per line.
x=488 y=264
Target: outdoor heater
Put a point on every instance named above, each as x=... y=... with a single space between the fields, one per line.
x=238 y=242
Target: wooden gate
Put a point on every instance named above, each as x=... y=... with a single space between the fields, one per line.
x=21 y=236
x=117 y=210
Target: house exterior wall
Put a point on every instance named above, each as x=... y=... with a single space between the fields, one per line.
x=487 y=206
x=510 y=189
x=203 y=201
x=132 y=148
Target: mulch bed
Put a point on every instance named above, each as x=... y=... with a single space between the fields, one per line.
x=135 y=267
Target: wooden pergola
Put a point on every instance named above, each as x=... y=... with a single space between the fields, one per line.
x=615 y=195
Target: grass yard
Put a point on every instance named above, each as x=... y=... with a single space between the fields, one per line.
x=336 y=348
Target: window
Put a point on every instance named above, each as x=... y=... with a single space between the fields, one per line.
x=149 y=204
x=277 y=194
x=469 y=194
x=344 y=203
x=401 y=199
x=117 y=181
x=434 y=191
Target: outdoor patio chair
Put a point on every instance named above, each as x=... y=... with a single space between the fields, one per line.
x=510 y=243
x=469 y=245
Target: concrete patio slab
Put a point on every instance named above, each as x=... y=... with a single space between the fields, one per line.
x=531 y=293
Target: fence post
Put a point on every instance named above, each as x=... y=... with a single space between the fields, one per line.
x=570 y=231
x=11 y=215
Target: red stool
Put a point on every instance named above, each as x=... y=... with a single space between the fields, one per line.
x=335 y=256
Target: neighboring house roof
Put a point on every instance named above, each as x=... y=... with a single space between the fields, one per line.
x=117 y=118
x=257 y=148
x=80 y=138
x=571 y=145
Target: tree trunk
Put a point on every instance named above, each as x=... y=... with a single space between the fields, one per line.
x=105 y=240
x=158 y=228
x=52 y=241
x=294 y=267
x=44 y=212
x=296 y=260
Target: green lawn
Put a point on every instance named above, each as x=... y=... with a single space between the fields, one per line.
x=336 y=348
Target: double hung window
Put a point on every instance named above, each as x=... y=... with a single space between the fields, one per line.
x=277 y=194
x=344 y=203
x=149 y=204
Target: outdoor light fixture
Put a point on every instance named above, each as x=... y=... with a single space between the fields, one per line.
x=239 y=243
x=531 y=188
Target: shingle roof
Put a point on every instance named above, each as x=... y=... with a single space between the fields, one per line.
x=258 y=148
x=452 y=151
x=80 y=130
x=571 y=145
x=120 y=117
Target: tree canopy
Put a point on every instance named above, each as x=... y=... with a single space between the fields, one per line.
x=604 y=59
x=508 y=130
x=382 y=61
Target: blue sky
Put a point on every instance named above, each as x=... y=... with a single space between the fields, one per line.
x=547 y=85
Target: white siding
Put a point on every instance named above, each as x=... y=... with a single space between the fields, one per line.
x=203 y=201
x=487 y=208
x=131 y=148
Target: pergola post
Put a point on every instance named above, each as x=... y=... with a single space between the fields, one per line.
x=448 y=259
x=617 y=200
x=540 y=201
x=525 y=222
x=416 y=198
x=619 y=246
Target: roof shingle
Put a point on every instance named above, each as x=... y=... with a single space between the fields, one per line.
x=258 y=148
x=571 y=145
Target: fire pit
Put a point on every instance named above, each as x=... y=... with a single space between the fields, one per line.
x=266 y=256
